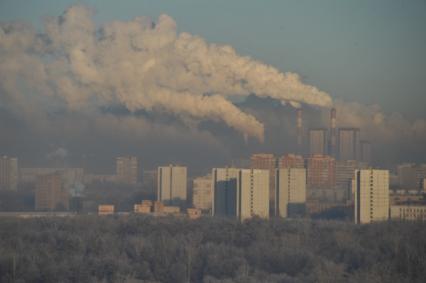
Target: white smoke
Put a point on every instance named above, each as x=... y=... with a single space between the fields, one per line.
x=139 y=65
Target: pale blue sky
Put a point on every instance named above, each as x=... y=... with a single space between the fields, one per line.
x=365 y=51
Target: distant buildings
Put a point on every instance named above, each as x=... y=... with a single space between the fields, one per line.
x=8 y=173
x=225 y=182
x=106 y=209
x=240 y=193
x=202 y=193
x=266 y=162
x=348 y=144
x=410 y=175
x=291 y=161
x=318 y=141
x=408 y=212
x=291 y=189
x=371 y=195
x=172 y=184
x=127 y=170
x=50 y=193
x=321 y=170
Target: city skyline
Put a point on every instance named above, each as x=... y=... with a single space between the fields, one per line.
x=86 y=105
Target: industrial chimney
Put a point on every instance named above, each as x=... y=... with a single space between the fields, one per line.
x=299 y=130
x=333 y=133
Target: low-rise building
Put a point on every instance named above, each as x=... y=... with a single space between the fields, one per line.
x=142 y=208
x=105 y=209
x=408 y=212
x=193 y=213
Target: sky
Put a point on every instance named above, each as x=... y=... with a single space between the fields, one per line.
x=367 y=51
x=210 y=81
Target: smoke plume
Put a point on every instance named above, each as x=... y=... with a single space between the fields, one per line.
x=138 y=64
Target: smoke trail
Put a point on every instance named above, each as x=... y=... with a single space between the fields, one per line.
x=140 y=65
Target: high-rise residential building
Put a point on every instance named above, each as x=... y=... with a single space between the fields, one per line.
x=268 y=162
x=127 y=169
x=240 y=193
x=8 y=173
x=172 y=184
x=321 y=172
x=348 y=144
x=411 y=175
x=254 y=193
x=365 y=152
x=202 y=193
x=291 y=189
x=345 y=173
x=291 y=161
x=225 y=182
x=50 y=193
x=318 y=141
x=371 y=195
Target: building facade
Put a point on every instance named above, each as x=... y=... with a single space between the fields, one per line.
x=50 y=193
x=371 y=195
x=318 y=141
x=240 y=193
x=8 y=173
x=291 y=161
x=408 y=212
x=202 y=193
x=127 y=170
x=348 y=144
x=268 y=162
x=291 y=189
x=253 y=193
x=172 y=184
x=321 y=172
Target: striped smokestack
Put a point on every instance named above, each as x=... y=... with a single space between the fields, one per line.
x=333 y=137
x=299 y=130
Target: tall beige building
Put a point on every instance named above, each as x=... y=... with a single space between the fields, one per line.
x=318 y=141
x=291 y=188
x=240 y=193
x=127 y=169
x=8 y=173
x=50 y=193
x=268 y=162
x=172 y=184
x=371 y=195
x=202 y=193
x=254 y=193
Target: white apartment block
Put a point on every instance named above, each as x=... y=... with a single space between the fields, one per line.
x=371 y=195
x=240 y=193
x=171 y=184
x=291 y=188
x=202 y=193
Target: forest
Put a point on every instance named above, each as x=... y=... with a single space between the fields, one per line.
x=138 y=248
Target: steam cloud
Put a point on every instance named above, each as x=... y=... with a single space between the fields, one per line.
x=139 y=65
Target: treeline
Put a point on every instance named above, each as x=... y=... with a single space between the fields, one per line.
x=148 y=249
